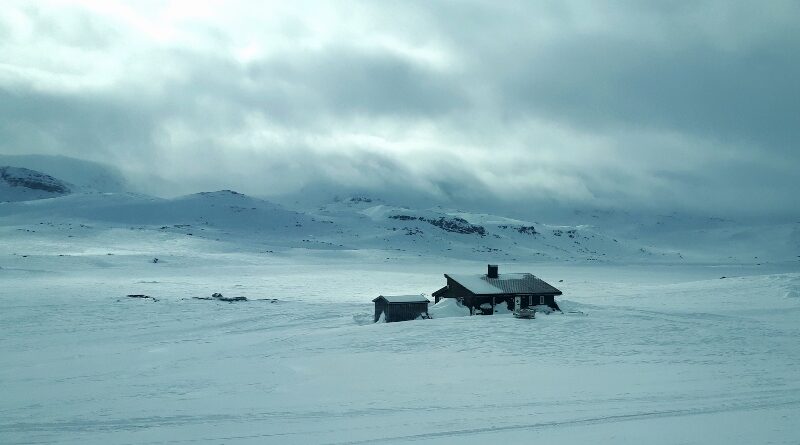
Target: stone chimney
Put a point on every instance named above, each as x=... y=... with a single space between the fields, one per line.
x=492 y=272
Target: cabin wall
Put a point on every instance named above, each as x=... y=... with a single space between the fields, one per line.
x=405 y=311
x=549 y=300
x=474 y=302
x=534 y=300
x=380 y=307
x=531 y=300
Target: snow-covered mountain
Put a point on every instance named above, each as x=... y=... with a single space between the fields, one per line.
x=98 y=198
x=361 y=223
x=369 y=222
x=82 y=175
x=22 y=184
x=232 y=220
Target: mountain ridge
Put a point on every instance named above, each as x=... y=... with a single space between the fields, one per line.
x=364 y=222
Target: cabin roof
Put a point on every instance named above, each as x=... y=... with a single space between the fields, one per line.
x=403 y=299
x=506 y=283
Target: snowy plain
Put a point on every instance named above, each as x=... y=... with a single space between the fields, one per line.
x=659 y=355
x=647 y=352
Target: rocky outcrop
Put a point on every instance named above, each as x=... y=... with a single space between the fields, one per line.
x=31 y=179
x=455 y=224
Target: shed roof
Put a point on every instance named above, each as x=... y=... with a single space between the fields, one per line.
x=403 y=299
x=506 y=283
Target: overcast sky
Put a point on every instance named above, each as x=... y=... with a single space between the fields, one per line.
x=674 y=105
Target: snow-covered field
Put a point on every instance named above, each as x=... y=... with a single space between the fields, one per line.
x=675 y=331
x=658 y=354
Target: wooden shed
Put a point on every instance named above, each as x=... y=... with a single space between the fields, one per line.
x=400 y=307
x=481 y=293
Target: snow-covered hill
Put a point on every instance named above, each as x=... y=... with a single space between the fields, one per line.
x=22 y=184
x=225 y=220
x=440 y=231
x=367 y=222
x=361 y=223
x=82 y=175
x=99 y=197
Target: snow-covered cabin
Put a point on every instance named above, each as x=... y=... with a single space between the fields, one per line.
x=400 y=307
x=481 y=293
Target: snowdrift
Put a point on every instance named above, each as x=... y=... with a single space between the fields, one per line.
x=448 y=307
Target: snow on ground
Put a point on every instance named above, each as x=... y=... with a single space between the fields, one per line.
x=646 y=352
x=656 y=355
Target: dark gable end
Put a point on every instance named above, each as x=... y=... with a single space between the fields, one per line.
x=452 y=290
x=400 y=307
x=440 y=292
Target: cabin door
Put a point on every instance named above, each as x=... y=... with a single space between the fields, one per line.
x=517 y=303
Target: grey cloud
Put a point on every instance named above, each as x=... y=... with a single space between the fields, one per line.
x=301 y=88
x=686 y=105
x=91 y=125
x=714 y=69
x=217 y=92
x=732 y=97
x=345 y=80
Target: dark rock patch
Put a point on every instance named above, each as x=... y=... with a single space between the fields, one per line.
x=23 y=177
x=219 y=297
x=142 y=296
x=454 y=225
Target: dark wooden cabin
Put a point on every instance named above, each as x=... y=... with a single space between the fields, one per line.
x=400 y=307
x=482 y=293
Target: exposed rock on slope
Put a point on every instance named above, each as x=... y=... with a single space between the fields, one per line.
x=453 y=224
x=22 y=184
x=83 y=176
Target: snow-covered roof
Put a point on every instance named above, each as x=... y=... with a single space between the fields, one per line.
x=506 y=283
x=403 y=298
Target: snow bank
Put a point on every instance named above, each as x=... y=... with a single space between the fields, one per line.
x=543 y=309
x=448 y=307
x=502 y=308
x=569 y=305
x=363 y=318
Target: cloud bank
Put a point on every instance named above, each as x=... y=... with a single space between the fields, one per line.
x=689 y=106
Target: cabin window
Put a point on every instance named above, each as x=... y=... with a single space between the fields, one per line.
x=541 y=299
